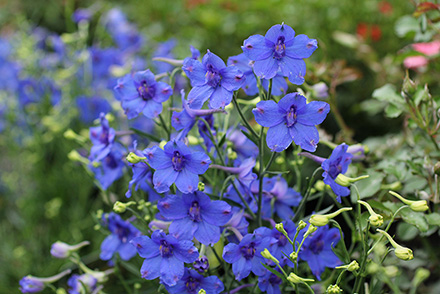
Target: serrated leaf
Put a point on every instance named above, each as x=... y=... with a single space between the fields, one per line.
x=433 y=219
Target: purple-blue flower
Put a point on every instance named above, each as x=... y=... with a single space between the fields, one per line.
x=30 y=284
x=177 y=164
x=270 y=283
x=292 y=119
x=102 y=138
x=79 y=284
x=336 y=164
x=164 y=256
x=246 y=256
x=110 y=168
x=317 y=250
x=192 y=282
x=118 y=241
x=195 y=215
x=212 y=80
x=280 y=50
x=89 y=108
x=141 y=93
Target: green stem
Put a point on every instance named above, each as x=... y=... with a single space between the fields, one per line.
x=164 y=126
x=243 y=200
x=243 y=119
x=260 y=176
x=212 y=138
x=304 y=200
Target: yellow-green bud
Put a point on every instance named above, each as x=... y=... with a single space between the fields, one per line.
x=401 y=252
x=393 y=186
x=311 y=229
x=320 y=220
x=351 y=267
x=301 y=225
x=373 y=268
x=375 y=219
x=133 y=158
x=202 y=291
x=320 y=186
x=296 y=280
x=266 y=254
x=421 y=275
x=391 y=271
x=137 y=285
x=417 y=205
x=333 y=289
x=71 y=135
x=201 y=186
x=280 y=228
x=193 y=140
x=120 y=207
x=280 y=160
x=345 y=181
x=75 y=156
x=61 y=291
x=293 y=256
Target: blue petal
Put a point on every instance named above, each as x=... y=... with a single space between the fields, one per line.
x=146 y=247
x=338 y=189
x=109 y=246
x=150 y=269
x=212 y=59
x=268 y=113
x=146 y=76
x=183 y=228
x=266 y=68
x=172 y=207
x=181 y=120
x=171 y=270
x=199 y=163
x=207 y=234
x=280 y=30
x=198 y=95
x=313 y=113
x=217 y=213
x=220 y=98
x=302 y=47
x=126 y=251
x=132 y=108
x=163 y=92
x=232 y=78
x=186 y=181
x=278 y=138
x=250 y=85
x=292 y=99
x=231 y=253
x=255 y=48
x=157 y=158
x=186 y=252
x=257 y=268
x=307 y=137
x=241 y=268
x=194 y=71
x=212 y=284
x=279 y=85
x=152 y=109
x=164 y=178
x=294 y=69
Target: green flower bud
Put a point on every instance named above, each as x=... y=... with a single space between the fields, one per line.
x=201 y=186
x=293 y=256
x=351 y=267
x=401 y=252
x=280 y=228
x=393 y=186
x=320 y=220
x=71 y=135
x=333 y=289
x=409 y=86
x=391 y=271
x=133 y=158
x=417 y=205
x=320 y=186
x=375 y=219
x=120 y=207
x=310 y=230
x=266 y=254
x=421 y=275
x=345 y=181
x=301 y=225
x=202 y=291
x=75 y=156
x=296 y=280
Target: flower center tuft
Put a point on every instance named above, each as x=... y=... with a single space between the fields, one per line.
x=165 y=249
x=248 y=251
x=280 y=48
x=194 y=212
x=145 y=91
x=178 y=161
x=317 y=246
x=213 y=77
x=335 y=168
x=291 y=116
x=192 y=284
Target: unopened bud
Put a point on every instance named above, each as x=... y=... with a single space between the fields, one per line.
x=62 y=250
x=133 y=158
x=320 y=220
x=301 y=225
x=375 y=219
x=333 y=289
x=266 y=254
x=75 y=156
x=310 y=230
x=420 y=275
x=296 y=280
x=71 y=135
x=201 y=186
x=120 y=207
x=391 y=271
x=319 y=186
x=409 y=86
x=202 y=291
x=351 y=267
x=293 y=256
x=401 y=252
x=417 y=205
x=345 y=181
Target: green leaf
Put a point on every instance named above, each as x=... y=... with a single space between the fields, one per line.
x=406 y=232
x=250 y=137
x=222 y=140
x=369 y=186
x=393 y=111
x=415 y=218
x=148 y=136
x=406 y=24
x=388 y=93
x=433 y=219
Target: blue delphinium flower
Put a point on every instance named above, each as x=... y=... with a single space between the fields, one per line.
x=270 y=283
x=212 y=80
x=90 y=107
x=30 y=284
x=280 y=50
x=246 y=256
x=164 y=50
x=336 y=164
x=79 y=284
x=82 y=14
x=164 y=256
x=317 y=250
x=125 y=34
x=176 y=163
x=110 y=168
x=195 y=215
x=241 y=144
x=192 y=282
x=102 y=138
x=292 y=119
x=141 y=93
x=122 y=232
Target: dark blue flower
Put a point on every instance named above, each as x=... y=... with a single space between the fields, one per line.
x=292 y=119
x=164 y=256
x=122 y=232
x=30 y=284
x=195 y=215
x=280 y=50
x=110 y=168
x=336 y=164
x=317 y=250
x=241 y=144
x=270 y=283
x=102 y=138
x=201 y=264
x=192 y=282
x=212 y=80
x=246 y=256
x=176 y=163
x=79 y=284
x=141 y=93
x=90 y=107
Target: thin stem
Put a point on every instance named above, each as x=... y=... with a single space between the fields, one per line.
x=272 y=158
x=243 y=200
x=212 y=138
x=304 y=200
x=164 y=126
x=260 y=175
x=243 y=119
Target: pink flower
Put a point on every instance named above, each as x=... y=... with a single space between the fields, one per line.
x=415 y=61
x=428 y=49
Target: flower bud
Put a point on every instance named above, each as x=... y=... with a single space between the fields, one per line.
x=201 y=186
x=75 y=156
x=351 y=267
x=71 y=135
x=293 y=256
x=409 y=86
x=280 y=228
x=320 y=186
x=391 y=271
x=375 y=219
x=345 y=181
x=266 y=254
x=333 y=289
x=202 y=291
x=320 y=220
x=120 y=207
x=310 y=230
x=417 y=205
x=320 y=90
x=62 y=250
x=31 y=284
x=133 y=158
x=401 y=252
x=301 y=225
x=421 y=275
x=296 y=280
